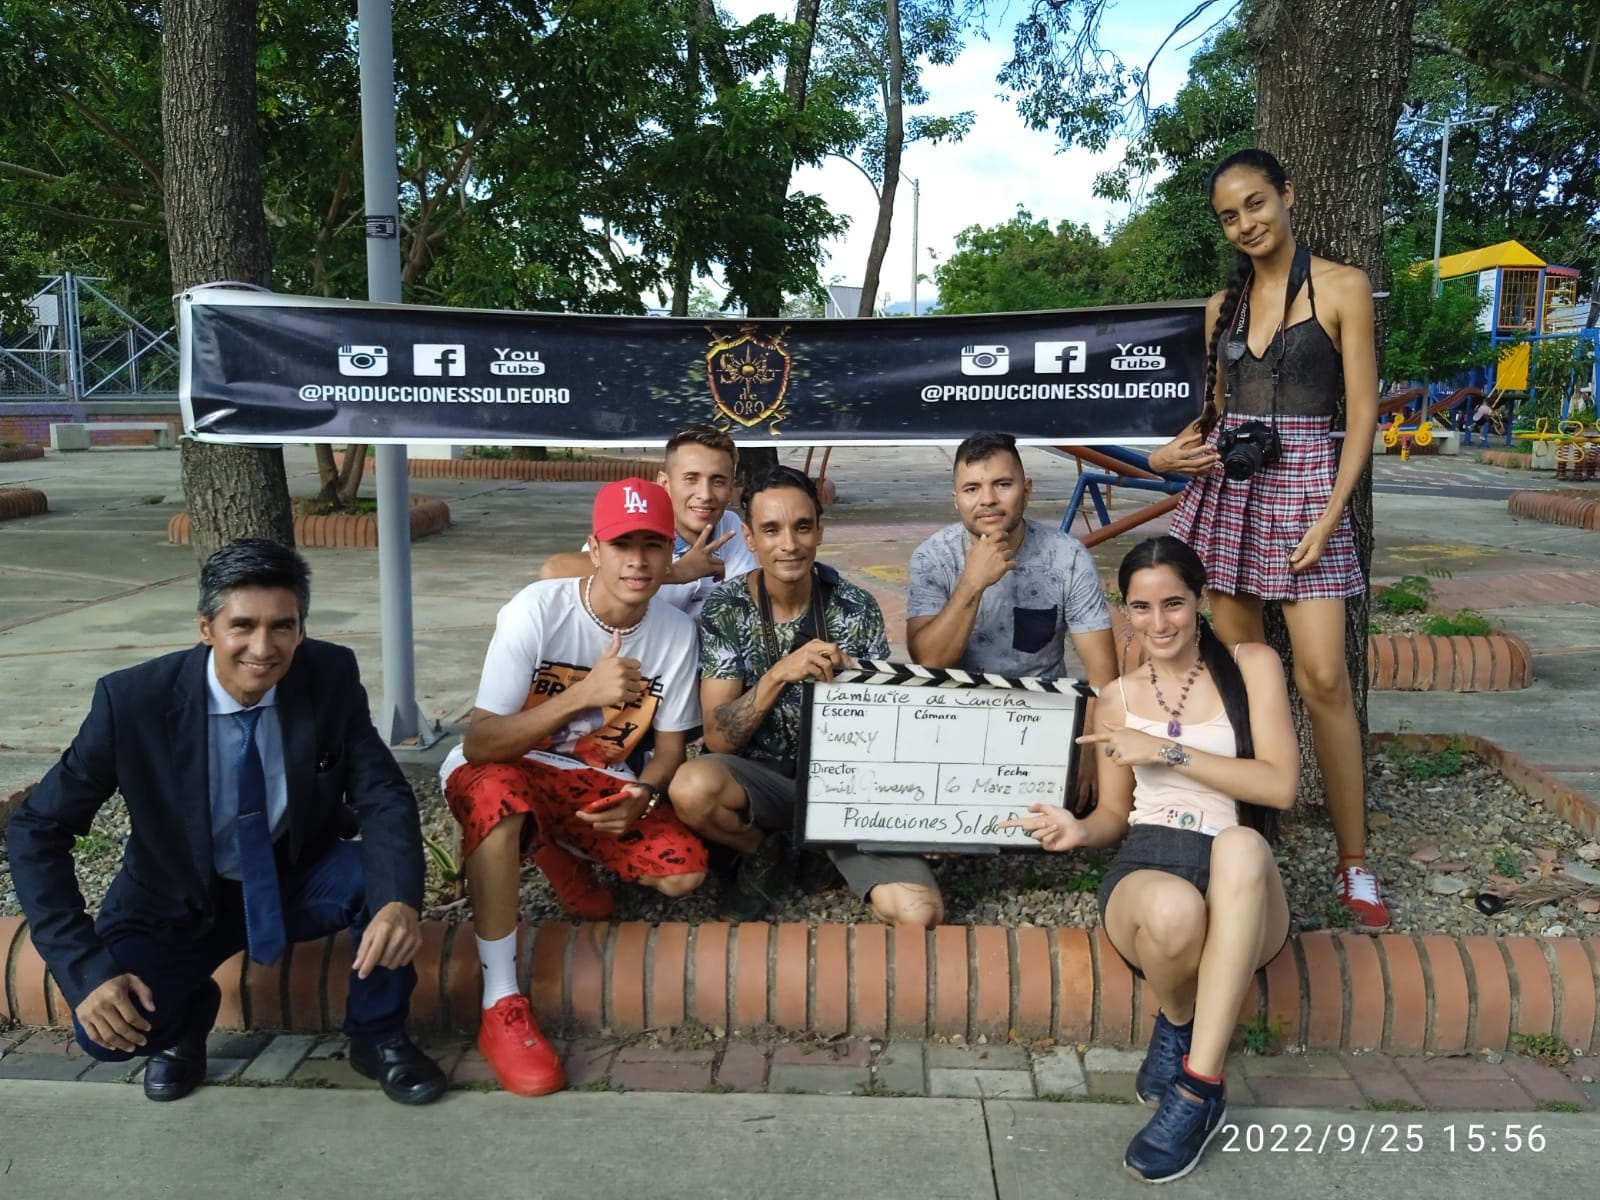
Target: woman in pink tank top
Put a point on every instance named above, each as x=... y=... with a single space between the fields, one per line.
x=1196 y=755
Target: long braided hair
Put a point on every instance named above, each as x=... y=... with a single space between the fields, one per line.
x=1168 y=551
x=1272 y=170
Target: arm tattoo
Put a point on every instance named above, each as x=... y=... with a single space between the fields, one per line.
x=739 y=719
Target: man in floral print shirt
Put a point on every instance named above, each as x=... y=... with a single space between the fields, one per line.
x=761 y=637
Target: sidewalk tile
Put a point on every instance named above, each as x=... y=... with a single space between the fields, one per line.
x=336 y=1046
x=108 y=1072
x=999 y=1057
x=901 y=1068
x=334 y=1072
x=54 y=1067
x=980 y=1085
x=586 y=1060
x=1059 y=1072
x=1380 y=1081
x=665 y=1055
x=1103 y=1060
x=278 y=1059
x=846 y=1052
x=225 y=1043
x=1450 y=1070
x=662 y=1076
x=52 y=1041
x=743 y=1068
x=473 y=1069
x=1545 y=1084
x=445 y=1049
x=1293 y=1066
x=1312 y=1092
x=226 y=1070
x=816 y=1079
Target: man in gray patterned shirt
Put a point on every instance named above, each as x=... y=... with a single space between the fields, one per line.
x=999 y=593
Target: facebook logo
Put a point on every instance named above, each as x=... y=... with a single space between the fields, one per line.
x=1054 y=358
x=439 y=358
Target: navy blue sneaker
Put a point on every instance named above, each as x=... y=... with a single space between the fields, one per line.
x=1171 y=1144
x=1168 y=1044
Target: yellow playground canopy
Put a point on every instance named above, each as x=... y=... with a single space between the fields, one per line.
x=1487 y=258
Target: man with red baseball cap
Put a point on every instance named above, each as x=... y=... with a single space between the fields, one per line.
x=577 y=672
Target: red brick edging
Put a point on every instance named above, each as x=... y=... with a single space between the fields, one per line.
x=596 y=470
x=1556 y=508
x=1419 y=662
x=354 y=530
x=21 y=502
x=10 y=454
x=1416 y=662
x=1399 y=994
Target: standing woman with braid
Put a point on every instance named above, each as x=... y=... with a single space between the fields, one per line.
x=1266 y=507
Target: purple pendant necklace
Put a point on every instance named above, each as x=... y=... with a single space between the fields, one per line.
x=1174 y=726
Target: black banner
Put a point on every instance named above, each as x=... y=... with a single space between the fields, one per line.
x=259 y=367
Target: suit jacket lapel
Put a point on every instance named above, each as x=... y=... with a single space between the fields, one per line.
x=189 y=739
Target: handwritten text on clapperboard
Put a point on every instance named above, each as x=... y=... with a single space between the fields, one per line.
x=928 y=764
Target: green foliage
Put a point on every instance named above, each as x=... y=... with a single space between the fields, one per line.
x=1506 y=863
x=1465 y=623
x=449 y=869
x=93 y=844
x=1336 y=915
x=1444 y=763
x=1022 y=266
x=1557 y=367
x=1090 y=876
x=1546 y=1047
x=1260 y=1037
x=1432 y=337
x=1408 y=594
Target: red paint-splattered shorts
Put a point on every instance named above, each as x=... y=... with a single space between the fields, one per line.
x=481 y=797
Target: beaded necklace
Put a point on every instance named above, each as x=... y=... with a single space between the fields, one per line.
x=593 y=616
x=1174 y=726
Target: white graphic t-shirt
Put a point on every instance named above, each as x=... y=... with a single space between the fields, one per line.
x=544 y=643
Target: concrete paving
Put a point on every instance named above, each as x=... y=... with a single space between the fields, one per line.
x=57 y=1141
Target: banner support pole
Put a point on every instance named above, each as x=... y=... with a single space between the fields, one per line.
x=398 y=719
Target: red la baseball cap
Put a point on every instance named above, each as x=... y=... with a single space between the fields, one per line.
x=630 y=505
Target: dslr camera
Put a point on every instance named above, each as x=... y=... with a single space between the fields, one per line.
x=1248 y=449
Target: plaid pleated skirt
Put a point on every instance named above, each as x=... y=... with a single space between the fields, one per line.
x=1245 y=529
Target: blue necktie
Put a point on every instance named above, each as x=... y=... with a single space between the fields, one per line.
x=258 y=871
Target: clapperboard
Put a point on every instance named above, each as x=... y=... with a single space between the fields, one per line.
x=901 y=757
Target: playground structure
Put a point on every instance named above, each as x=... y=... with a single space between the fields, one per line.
x=1526 y=301
x=1116 y=466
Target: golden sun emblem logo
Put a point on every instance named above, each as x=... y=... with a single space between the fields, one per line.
x=749 y=374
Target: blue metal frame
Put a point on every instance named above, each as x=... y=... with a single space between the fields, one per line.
x=1090 y=482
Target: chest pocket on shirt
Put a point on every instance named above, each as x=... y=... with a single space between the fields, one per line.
x=1032 y=628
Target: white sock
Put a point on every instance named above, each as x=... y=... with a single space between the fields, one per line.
x=499 y=961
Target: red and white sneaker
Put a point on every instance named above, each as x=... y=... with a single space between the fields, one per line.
x=572 y=879
x=1357 y=889
x=523 y=1059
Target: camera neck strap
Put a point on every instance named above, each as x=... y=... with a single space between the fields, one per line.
x=1239 y=339
x=821 y=589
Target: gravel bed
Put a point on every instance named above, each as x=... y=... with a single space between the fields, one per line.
x=1435 y=842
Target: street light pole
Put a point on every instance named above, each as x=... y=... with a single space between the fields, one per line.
x=1444 y=127
x=916 y=204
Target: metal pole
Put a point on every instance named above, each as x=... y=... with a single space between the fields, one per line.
x=1438 y=221
x=399 y=719
x=916 y=204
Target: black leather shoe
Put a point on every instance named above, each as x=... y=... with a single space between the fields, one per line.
x=175 y=1072
x=406 y=1074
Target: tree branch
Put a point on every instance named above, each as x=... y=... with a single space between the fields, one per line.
x=83 y=218
x=100 y=123
x=1513 y=69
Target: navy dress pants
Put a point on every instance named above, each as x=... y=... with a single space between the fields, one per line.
x=323 y=898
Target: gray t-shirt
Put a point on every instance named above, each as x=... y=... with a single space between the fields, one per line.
x=1023 y=620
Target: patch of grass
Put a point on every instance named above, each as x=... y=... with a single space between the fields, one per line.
x=1393 y=1106
x=449 y=869
x=1032 y=877
x=1261 y=1037
x=1374 y=627
x=1336 y=915
x=720 y=1089
x=603 y=1084
x=1088 y=879
x=1444 y=763
x=1560 y=1106
x=1546 y=1047
x=875 y=1088
x=1465 y=623
x=1087 y=1098
x=93 y=844
x=973 y=886
x=1408 y=594
x=1505 y=863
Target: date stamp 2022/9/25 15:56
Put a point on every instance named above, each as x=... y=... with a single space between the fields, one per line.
x=1382 y=1137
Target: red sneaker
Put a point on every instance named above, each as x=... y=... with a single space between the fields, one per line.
x=574 y=883
x=522 y=1058
x=1357 y=889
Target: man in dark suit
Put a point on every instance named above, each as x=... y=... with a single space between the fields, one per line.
x=236 y=760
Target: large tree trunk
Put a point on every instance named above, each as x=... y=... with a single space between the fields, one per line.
x=215 y=232
x=893 y=143
x=1330 y=78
